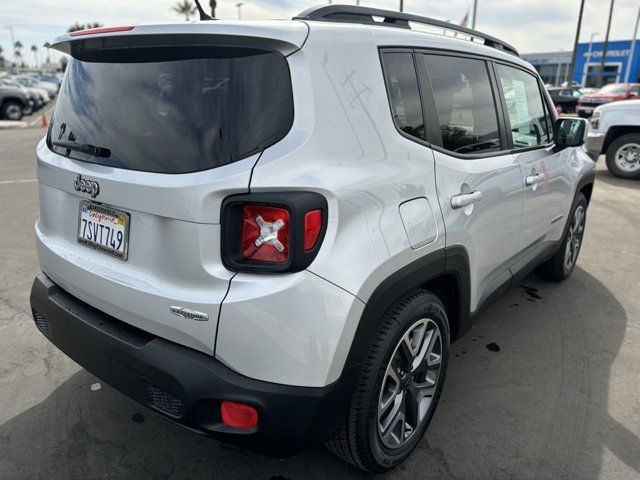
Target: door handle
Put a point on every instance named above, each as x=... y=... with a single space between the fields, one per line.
x=534 y=179
x=464 y=199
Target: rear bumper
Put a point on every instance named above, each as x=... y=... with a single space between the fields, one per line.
x=182 y=384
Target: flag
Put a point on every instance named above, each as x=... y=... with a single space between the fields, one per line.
x=465 y=20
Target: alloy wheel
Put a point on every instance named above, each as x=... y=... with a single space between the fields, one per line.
x=409 y=383
x=574 y=240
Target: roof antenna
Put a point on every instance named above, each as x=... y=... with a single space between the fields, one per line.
x=203 y=14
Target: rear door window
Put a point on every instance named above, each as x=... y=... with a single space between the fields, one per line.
x=404 y=94
x=529 y=122
x=172 y=109
x=465 y=104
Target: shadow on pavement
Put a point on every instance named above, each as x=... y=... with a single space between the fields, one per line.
x=534 y=408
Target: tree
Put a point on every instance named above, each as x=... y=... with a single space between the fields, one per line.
x=186 y=8
x=17 y=56
x=82 y=26
x=213 y=4
x=34 y=49
x=47 y=45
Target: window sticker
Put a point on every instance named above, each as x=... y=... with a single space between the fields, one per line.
x=522 y=107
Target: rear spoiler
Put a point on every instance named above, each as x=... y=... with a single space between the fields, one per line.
x=283 y=37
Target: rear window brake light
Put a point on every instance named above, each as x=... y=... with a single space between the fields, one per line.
x=92 y=31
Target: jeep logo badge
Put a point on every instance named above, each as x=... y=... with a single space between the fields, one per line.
x=87 y=186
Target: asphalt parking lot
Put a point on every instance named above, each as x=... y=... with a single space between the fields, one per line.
x=559 y=399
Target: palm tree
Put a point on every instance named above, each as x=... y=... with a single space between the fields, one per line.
x=17 y=56
x=47 y=45
x=186 y=8
x=1 y=57
x=34 y=49
x=82 y=26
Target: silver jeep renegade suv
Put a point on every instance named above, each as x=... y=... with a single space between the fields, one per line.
x=271 y=232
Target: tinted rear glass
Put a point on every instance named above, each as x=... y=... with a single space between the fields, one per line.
x=173 y=110
x=465 y=105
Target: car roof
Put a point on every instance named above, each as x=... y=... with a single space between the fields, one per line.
x=296 y=32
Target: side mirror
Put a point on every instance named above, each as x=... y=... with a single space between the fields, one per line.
x=571 y=132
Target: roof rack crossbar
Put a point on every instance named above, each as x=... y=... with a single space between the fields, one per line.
x=365 y=15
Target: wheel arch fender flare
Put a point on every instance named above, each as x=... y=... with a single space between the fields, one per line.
x=450 y=261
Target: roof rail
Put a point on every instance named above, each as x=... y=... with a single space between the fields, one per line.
x=364 y=15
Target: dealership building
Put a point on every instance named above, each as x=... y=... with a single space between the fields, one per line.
x=554 y=66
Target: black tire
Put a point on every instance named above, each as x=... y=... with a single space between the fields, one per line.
x=612 y=150
x=28 y=110
x=557 y=268
x=12 y=110
x=359 y=440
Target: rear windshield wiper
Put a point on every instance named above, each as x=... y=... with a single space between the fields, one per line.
x=84 y=148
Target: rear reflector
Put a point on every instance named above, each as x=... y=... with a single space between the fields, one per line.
x=239 y=415
x=92 y=31
x=312 y=227
x=265 y=233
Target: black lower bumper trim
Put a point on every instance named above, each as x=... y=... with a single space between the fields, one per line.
x=182 y=384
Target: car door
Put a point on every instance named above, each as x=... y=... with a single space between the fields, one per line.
x=545 y=175
x=479 y=182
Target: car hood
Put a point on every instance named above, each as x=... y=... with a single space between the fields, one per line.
x=13 y=91
x=624 y=105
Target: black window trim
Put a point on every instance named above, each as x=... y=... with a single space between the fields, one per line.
x=434 y=137
x=435 y=134
x=381 y=52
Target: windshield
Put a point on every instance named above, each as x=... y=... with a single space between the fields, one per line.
x=614 y=88
x=172 y=109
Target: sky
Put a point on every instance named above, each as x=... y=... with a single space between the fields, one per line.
x=529 y=25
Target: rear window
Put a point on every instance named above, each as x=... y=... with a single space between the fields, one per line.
x=172 y=109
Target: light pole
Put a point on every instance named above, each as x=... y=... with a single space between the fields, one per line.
x=586 y=66
x=239 y=4
x=605 y=46
x=13 y=48
x=575 y=45
x=473 y=18
x=402 y=5
x=633 y=49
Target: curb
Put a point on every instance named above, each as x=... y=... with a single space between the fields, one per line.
x=7 y=124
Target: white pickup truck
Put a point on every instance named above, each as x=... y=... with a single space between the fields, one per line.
x=615 y=132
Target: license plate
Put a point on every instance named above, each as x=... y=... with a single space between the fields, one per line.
x=104 y=228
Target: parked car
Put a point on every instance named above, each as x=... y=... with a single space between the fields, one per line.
x=46 y=94
x=31 y=82
x=13 y=103
x=33 y=99
x=588 y=90
x=613 y=92
x=615 y=132
x=565 y=97
x=271 y=278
